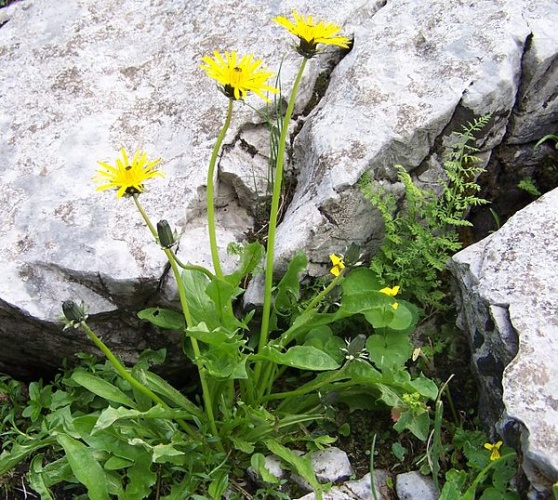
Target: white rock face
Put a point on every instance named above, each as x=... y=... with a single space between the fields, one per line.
x=90 y=77
x=509 y=287
x=414 y=486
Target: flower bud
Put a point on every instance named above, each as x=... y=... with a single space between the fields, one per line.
x=73 y=313
x=166 y=236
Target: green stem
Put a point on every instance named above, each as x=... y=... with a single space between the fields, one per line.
x=123 y=372
x=470 y=493
x=318 y=298
x=145 y=217
x=189 y=322
x=310 y=387
x=206 y=392
x=211 y=192
x=278 y=177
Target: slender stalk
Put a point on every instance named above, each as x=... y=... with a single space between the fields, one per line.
x=317 y=299
x=208 y=400
x=211 y=192
x=310 y=387
x=121 y=369
x=264 y=332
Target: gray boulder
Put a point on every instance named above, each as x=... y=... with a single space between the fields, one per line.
x=91 y=77
x=508 y=289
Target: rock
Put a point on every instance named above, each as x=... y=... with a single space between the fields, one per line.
x=414 y=486
x=89 y=79
x=508 y=284
x=330 y=465
x=357 y=489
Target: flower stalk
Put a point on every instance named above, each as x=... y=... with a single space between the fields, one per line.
x=123 y=372
x=266 y=313
x=206 y=392
x=211 y=192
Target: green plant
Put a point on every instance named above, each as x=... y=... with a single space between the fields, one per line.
x=549 y=137
x=423 y=234
x=528 y=185
x=486 y=476
x=125 y=432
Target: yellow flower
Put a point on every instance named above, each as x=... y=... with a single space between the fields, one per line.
x=494 y=449
x=391 y=292
x=311 y=34
x=338 y=265
x=238 y=77
x=127 y=177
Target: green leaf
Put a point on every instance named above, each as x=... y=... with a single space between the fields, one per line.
x=390 y=350
x=418 y=424
x=201 y=306
x=288 y=289
x=322 y=338
x=140 y=478
x=84 y=466
x=251 y=256
x=212 y=337
x=363 y=373
x=117 y=463
x=102 y=388
x=111 y=415
x=360 y=280
x=167 y=453
x=425 y=387
x=19 y=452
x=366 y=302
x=225 y=362
x=302 y=357
x=161 y=387
x=163 y=318
x=302 y=465
x=36 y=478
x=257 y=461
x=218 y=485
x=222 y=293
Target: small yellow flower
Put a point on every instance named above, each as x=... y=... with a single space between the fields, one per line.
x=127 y=177
x=338 y=264
x=494 y=449
x=391 y=292
x=238 y=77
x=311 y=33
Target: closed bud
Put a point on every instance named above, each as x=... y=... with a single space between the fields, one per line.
x=166 y=236
x=73 y=313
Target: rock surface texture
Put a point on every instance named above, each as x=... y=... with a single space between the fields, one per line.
x=508 y=285
x=79 y=80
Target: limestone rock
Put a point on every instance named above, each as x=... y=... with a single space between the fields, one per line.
x=414 y=486
x=87 y=79
x=508 y=285
x=358 y=489
x=91 y=77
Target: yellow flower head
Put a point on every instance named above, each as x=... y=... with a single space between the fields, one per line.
x=311 y=33
x=391 y=292
x=127 y=177
x=494 y=449
x=238 y=77
x=338 y=265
